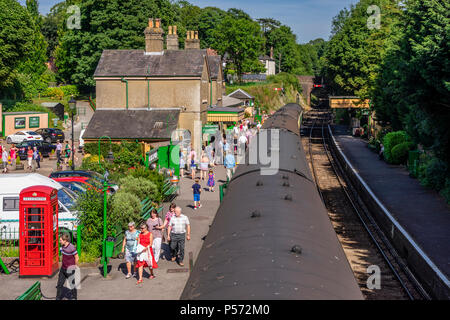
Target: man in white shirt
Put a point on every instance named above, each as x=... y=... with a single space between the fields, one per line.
x=179 y=223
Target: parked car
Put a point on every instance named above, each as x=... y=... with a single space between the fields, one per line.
x=43 y=147
x=80 y=173
x=74 y=184
x=10 y=187
x=51 y=135
x=21 y=136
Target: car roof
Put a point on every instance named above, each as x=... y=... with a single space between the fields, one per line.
x=70 y=179
x=68 y=172
x=15 y=182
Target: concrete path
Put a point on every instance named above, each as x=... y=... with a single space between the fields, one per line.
x=170 y=277
x=422 y=212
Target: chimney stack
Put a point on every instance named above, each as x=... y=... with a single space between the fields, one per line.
x=172 y=38
x=192 y=41
x=154 y=43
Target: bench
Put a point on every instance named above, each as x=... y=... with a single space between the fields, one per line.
x=33 y=293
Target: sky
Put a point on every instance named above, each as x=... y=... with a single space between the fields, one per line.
x=308 y=19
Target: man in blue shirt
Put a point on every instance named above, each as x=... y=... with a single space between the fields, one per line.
x=229 y=164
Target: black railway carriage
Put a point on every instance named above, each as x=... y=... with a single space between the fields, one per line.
x=271 y=237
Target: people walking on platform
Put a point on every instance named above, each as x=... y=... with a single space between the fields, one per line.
x=68 y=267
x=5 y=160
x=13 y=154
x=197 y=189
x=182 y=164
x=381 y=154
x=129 y=247
x=67 y=151
x=169 y=216
x=30 y=158
x=179 y=230
x=230 y=164
x=58 y=151
x=145 y=257
x=192 y=162
x=204 y=166
x=211 y=183
x=155 y=225
x=37 y=158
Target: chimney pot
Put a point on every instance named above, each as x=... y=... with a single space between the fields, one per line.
x=150 y=23
x=174 y=29
x=170 y=29
x=196 y=34
x=158 y=23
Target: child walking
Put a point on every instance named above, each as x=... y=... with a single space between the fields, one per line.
x=211 y=182
x=197 y=188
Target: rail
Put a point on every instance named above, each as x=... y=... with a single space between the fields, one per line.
x=33 y=293
x=366 y=220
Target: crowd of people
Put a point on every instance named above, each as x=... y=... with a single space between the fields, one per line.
x=33 y=156
x=142 y=248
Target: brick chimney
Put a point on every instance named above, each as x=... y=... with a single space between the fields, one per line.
x=172 y=39
x=154 y=43
x=192 y=41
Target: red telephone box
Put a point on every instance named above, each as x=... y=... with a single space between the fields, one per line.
x=38 y=218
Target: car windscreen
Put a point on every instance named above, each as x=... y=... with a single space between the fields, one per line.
x=74 y=186
x=67 y=198
x=32 y=133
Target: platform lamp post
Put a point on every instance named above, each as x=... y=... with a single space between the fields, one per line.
x=73 y=107
x=110 y=158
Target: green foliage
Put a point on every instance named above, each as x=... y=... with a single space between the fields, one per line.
x=241 y=39
x=90 y=215
x=55 y=93
x=286 y=80
x=15 y=42
x=434 y=174
x=353 y=54
x=139 y=186
x=28 y=106
x=390 y=141
x=400 y=152
x=69 y=90
x=125 y=207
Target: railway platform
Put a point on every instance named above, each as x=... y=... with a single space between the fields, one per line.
x=170 y=277
x=420 y=213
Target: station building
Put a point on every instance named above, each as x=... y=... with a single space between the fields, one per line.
x=147 y=95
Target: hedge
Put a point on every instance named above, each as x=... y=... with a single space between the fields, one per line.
x=400 y=152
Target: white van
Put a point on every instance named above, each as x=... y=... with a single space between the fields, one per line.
x=10 y=187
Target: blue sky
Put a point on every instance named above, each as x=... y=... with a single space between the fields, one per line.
x=309 y=19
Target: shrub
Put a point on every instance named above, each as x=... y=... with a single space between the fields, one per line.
x=400 y=152
x=141 y=187
x=70 y=90
x=125 y=207
x=433 y=173
x=446 y=191
x=54 y=92
x=391 y=140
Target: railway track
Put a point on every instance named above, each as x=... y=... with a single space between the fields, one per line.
x=366 y=247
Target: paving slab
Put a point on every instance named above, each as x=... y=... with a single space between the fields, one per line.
x=423 y=213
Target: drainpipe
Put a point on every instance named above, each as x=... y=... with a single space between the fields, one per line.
x=126 y=83
x=148 y=89
x=210 y=93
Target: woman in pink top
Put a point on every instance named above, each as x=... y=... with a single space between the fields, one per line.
x=13 y=154
x=169 y=216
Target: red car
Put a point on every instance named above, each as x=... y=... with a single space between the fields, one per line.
x=81 y=184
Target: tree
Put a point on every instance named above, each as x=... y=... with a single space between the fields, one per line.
x=238 y=14
x=241 y=39
x=354 y=53
x=413 y=88
x=16 y=39
x=209 y=19
x=111 y=24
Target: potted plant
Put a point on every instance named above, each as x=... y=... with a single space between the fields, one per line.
x=19 y=165
x=52 y=155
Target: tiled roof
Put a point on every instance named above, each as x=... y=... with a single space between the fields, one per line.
x=136 y=63
x=240 y=94
x=132 y=124
x=230 y=101
x=214 y=66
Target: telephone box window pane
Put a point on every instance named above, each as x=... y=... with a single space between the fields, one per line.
x=10 y=204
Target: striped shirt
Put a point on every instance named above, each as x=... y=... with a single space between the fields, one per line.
x=179 y=224
x=68 y=256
